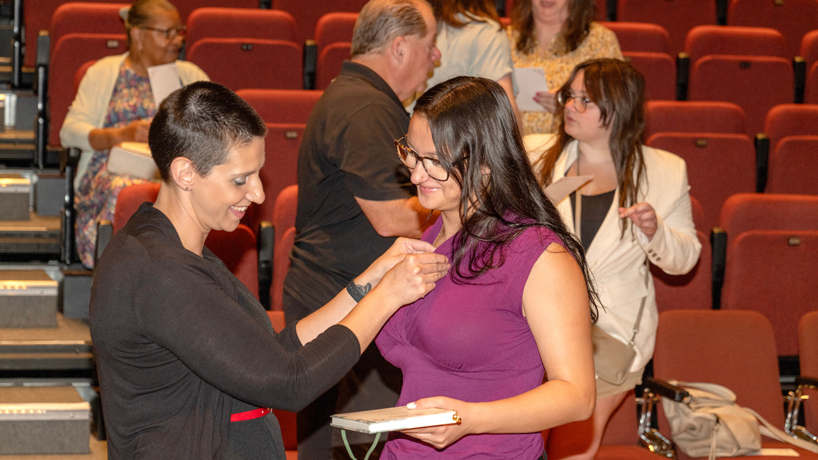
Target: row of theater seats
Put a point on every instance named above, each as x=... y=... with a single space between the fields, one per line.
x=263 y=50
x=735 y=349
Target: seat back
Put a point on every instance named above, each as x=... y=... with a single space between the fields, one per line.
x=286 y=206
x=130 y=198
x=808 y=352
x=691 y=291
x=622 y=425
x=186 y=7
x=640 y=36
x=281 y=106
x=695 y=117
x=659 y=70
x=767 y=211
x=677 y=17
x=793 y=18
x=756 y=83
x=334 y=27
x=85 y=18
x=329 y=63
x=240 y=23
x=279 y=170
x=793 y=166
x=790 y=120
x=70 y=53
x=811 y=85
x=731 y=348
x=601 y=9
x=281 y=263
x=307 y=14
x=36 y=17
x=78 y=76
x=773 y=273
x=718 y=166
x=809 y=48
x=239 y=63
x=747 y=41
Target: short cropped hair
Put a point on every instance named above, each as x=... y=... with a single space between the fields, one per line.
x=201 y=122
x=382 y=21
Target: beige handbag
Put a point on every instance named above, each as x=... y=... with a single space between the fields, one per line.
x=709 y=423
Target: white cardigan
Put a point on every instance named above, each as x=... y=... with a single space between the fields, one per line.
x=618 y=264
x=90 y=106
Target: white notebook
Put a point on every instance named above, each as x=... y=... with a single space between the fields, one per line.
x=132 y=158
x=393 y=419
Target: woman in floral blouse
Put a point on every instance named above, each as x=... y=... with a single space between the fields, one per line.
x=556 y=35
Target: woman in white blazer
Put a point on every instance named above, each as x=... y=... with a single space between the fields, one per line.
x=635 y=208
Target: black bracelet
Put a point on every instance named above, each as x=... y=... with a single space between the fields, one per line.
x=358 y=292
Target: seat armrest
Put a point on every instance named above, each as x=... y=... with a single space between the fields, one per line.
x=807 y=382
x=682 y=75
x=266 y=235
x=762 y=145
x=41 y=88
x=718 y=245
x=105 y=231
x=799 y=67
x=666 y=390
x=68 y=242
x=310 y=63
x=17 y=45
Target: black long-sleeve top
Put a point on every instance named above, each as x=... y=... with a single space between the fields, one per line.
x=181 y=345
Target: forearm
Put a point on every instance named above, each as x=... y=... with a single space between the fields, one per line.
x=405 y=217
x=104 y=138
x=553 y=403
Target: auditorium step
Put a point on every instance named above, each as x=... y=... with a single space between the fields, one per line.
x=30 y=205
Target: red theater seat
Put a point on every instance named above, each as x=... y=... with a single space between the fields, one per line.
x=695 y=117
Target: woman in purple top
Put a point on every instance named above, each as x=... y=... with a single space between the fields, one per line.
x=517 y=303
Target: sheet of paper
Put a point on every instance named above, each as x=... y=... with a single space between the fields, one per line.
x=560 y=189
x=164 y=80
x=530 y=81
x=769 y=451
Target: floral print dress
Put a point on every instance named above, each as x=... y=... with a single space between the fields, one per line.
x=95 y=199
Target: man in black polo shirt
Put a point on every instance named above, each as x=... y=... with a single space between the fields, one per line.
x=354 y=194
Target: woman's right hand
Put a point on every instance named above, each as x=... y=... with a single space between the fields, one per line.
x=135 y=131
x=412 y=278
x=548 y=100
x=399 y=249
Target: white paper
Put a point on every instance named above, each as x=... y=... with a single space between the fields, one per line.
x=769 y=451
x=530 y=81
x=164 y=80
x=560 y=189
x=393 y=419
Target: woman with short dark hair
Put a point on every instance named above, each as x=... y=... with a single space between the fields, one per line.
x=188 y=362
x=517 y=303
x=635 y=208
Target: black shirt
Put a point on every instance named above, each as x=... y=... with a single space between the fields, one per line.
x=181 y=345
x=347 y=152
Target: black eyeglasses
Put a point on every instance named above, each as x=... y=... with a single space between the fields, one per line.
x=580 y=102
x=410 y=158
x=170 y=34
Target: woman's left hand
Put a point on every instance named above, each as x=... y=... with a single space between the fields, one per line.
x=443 y=436
x=643 y=216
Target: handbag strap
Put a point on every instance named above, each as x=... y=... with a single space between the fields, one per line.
x=577 y=232
x=771 y=431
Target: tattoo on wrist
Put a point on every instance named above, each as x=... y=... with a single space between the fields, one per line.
x=356 y=291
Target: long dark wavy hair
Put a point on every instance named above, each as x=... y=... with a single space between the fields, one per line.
x=619 y=91
x=474 y=130
x=581 y=14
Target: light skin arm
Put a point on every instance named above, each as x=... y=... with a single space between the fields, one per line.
x=404 y=217
x=403 y=274
x=555 y=302
x=105 y=138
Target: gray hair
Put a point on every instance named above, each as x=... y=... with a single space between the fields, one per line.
x=381 y=21
x=139 y=13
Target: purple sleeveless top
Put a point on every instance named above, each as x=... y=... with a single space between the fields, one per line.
x=469 y=342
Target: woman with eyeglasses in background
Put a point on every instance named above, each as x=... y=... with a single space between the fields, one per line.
x=516 y=304
x=636 y=208
x=114 y=104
